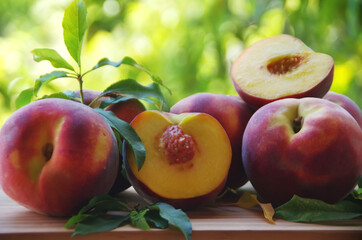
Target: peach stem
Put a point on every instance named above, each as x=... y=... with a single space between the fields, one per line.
x=48 y=151
x=297 y=123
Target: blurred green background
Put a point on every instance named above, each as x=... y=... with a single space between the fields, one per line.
x=190 y=44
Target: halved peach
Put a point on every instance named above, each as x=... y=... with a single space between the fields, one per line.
x=233 y=114
x=187 y=158
x=278 y=67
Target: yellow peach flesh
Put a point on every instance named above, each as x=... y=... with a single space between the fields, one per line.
x=199 y=176
x=252 y=71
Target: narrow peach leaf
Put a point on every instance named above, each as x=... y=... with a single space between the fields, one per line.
x=249 y=200
x=268 y=211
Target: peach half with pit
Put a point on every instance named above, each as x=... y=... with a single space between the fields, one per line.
x=233 y=114
x=187 y=158
x=278 y=67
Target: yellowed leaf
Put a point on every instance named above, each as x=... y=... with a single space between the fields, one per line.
x=249 y=200
x=268 y=211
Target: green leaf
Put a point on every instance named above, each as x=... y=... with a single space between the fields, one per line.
x=98 y=205
x=130 y=87
x=48 y=78
x=359 y=182
x=105 y=213
x=131 y=62
x=74 y=28
x=177 y=218
x=357 y=193
x=311 y=210
x=112 y=100
x=52 y=56
x=99 y=224
x=128 y=133
x=77 y=219
x=138 y=219
x=70 y=94
x=24 y=98
x=153 y=216
x=155 y=78
x=102 y=203
x=57 y=95
x=106 y=62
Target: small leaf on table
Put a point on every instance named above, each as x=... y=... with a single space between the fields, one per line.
x=153 y=216
x=357 y=194
x=311 y=210
x=138 y=219
x=177 y=218
x=102 y=203
x=99 y=224
x=80 y=217
x=249 y=200
x=98 y=205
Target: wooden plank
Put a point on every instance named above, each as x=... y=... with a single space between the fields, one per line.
x=212 y=222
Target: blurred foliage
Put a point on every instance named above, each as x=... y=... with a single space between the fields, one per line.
x=190 y=44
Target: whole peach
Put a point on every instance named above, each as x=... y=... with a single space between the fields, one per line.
x=308 y=147
x=347 y=104
x=55 y=155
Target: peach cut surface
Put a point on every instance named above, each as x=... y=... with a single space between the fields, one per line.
x=203 y=167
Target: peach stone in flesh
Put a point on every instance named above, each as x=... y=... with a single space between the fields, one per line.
x=177 y=146
x=187 y=157
x=278 y=67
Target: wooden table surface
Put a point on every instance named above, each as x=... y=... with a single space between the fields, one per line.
x=212 y=222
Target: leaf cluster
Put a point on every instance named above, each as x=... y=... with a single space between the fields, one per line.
x=105 y=213
x=74 y=28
